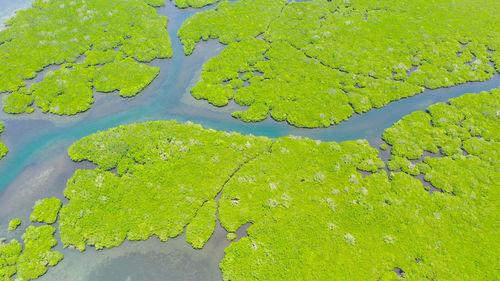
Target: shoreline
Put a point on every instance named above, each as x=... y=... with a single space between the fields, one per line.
x=10 y=5
x=38 y=165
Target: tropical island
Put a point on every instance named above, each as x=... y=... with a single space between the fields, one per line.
x=419 y=202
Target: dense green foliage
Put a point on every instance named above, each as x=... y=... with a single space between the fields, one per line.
x=464 y=136
x=70 y=89
x=32 y=261
x=326 y=221
x=65 y=91
x=166 y=173
x=202 y=226
x=9 y=254
x=127 y=76
x=318 y=210
x=14 y=224
x=230 y=23
x=19 y=101
x=321 y=221
x=3 y=147
x=37 y=253
x=110 y=34
x=315 y=63
x=46 y=210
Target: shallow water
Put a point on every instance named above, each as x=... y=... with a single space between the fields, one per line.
x=8 y=7
x=37 y=165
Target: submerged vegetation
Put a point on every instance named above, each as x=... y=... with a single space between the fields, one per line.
x=116 y=39
x=202 y=226
x=338 y=214
x=316 y=63
x=366 y=226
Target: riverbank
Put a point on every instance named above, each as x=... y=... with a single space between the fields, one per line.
x=9 y=9
x=37 y=165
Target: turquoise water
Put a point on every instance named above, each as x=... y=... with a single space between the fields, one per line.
x=37 y=165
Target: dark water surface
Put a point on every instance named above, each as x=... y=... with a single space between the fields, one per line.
x=37 y=165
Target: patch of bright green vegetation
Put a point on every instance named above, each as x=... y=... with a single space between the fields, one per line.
x=463 y=134
x=194 y=3
x=19 y=101
x=65 y=91
x=202 y=226
x=324 y=220
x=31 y=261
x=166 y=173
x=127 y=76
x=317 y=62
x=3 y=147
x=46 y=210
x=9 y=254
x=116 y=37
x=230 y=22
x=37 y=253
x=14 y=224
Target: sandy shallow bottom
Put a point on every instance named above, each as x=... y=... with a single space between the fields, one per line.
x=143 y=260
x=37 y=165
x=9 y=7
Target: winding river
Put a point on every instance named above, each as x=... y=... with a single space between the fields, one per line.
x=37 y=165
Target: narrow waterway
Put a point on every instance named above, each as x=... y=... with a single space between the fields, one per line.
x=37 y=165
